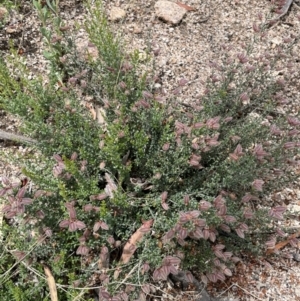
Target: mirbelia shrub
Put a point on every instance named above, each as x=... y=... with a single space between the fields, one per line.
x=143 y=187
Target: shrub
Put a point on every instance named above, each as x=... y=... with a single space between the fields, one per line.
x=153 y=188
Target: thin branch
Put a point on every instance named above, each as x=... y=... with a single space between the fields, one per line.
x=23 y=257
x=14 y=137
x=128 y=275
x=247 y=292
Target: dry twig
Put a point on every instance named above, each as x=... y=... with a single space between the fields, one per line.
x=15 y=137
x=244 y=290
x=282 y=244
x=285 y=8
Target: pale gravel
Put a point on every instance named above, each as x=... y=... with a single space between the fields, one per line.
x=185 y=52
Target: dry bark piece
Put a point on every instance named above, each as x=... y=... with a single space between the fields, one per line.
x=130 y=246
x=51 y=284
x=111 y=186
x=100 y=114
x=3 y=13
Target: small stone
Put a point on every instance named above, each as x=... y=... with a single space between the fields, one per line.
x=170 y=12
x=142 y=56
x=12 y=29
x=297 y=292
x=117 y=14
x=294 y=208
x=137 y=30
x=296 y=257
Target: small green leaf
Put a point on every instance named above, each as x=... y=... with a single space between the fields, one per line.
x=48 y=55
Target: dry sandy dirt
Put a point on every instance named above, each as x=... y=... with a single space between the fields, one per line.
x=185 y=51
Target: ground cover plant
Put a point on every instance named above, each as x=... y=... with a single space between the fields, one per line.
x=129 y=186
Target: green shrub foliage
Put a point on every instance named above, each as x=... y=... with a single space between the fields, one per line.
x=156 y=186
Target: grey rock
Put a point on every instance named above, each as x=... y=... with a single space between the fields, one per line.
x=296 y=256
